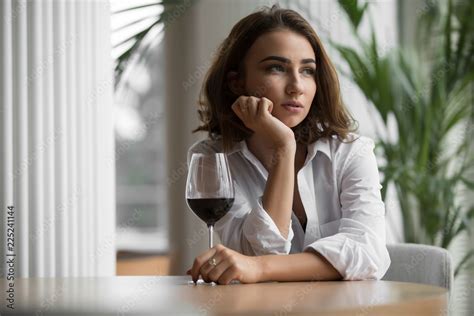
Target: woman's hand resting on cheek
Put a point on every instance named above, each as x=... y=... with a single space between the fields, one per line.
x=229 y=265
x=256 y=115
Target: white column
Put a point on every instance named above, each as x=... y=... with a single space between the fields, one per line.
x=61 y=154
x=102 y=96
x=36 y=140
x=49 y=158
x=57 y=165
x=20 y=134
x=72 y=145
x=6 y=125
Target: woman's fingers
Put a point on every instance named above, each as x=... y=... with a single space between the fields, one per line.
x=239 y=108
x=252 y=107
x=221 y=267
x=228 y=265
x=265 y=106
x=200 y=261
x=201 y=265
x=252 y=110
x=228 y=275
x=247 y=107
x=208 y=270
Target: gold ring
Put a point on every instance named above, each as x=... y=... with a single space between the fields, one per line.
x=213 y=262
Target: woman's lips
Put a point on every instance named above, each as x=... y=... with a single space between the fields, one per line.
x=292 y=108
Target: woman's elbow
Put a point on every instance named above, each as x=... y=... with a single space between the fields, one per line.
x=369 y=265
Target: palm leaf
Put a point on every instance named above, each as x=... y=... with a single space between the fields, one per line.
x=353 y=11
x=135 y=41
x=153 y=4
x=464 y=261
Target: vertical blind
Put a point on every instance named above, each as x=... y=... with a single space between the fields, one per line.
x=57 y=166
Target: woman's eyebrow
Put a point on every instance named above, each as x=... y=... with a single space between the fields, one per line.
x=286 y=60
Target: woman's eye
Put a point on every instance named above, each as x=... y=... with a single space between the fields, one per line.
x=280 y=68
x=309 y=71
x=275 y=68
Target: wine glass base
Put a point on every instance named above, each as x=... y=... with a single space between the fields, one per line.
x=202 y=282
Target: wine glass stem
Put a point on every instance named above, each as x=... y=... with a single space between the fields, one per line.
x=211 y=241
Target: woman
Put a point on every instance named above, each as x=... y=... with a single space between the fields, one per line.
x=307 y=191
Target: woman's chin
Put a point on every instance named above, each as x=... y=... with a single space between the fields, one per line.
x=291 y=122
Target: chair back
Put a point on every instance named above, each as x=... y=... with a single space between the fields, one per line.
x=418 y=263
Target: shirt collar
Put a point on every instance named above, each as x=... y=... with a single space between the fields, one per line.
x=242 y=147
x=321 y=145
x=237 y=146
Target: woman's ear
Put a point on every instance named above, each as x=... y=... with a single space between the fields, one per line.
x=235 y=83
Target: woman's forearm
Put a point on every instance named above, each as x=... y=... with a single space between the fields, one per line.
x=278 y=196
x=305 y=266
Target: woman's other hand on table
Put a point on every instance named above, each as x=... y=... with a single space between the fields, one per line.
x=222 y=265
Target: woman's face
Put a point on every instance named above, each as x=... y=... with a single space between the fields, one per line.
x=280 y=66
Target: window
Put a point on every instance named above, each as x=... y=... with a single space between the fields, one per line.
x=141 y=219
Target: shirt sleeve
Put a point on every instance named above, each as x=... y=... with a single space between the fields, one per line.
x=250 y=230
x=358 y=251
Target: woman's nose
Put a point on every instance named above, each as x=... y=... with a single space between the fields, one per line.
x=294 y=85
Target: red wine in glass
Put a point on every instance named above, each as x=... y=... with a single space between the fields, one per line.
x=210 y=210
x=209 y=188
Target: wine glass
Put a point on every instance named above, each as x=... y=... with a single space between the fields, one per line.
x=209 y=188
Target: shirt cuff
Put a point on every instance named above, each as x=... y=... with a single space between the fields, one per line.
x=263 y=235
x=352 y=259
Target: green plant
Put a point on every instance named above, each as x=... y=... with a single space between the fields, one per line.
x=428 y=93
x=134 y=43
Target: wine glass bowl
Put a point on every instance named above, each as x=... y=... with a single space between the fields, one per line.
x=209 y=188
x=210 y=210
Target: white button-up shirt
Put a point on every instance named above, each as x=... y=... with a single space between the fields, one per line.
x=340 y=190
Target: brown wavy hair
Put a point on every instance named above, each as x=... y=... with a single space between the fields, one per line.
x=327 y=116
